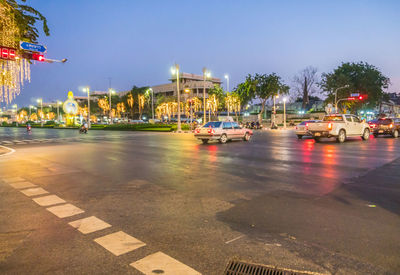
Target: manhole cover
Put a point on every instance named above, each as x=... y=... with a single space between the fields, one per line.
x=235 y=267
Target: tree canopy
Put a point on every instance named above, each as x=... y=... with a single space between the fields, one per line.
x=361 y=77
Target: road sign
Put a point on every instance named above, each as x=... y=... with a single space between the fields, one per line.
x=355 y=95
x=32 y=47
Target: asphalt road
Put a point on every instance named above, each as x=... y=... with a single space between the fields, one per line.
x=321 y=207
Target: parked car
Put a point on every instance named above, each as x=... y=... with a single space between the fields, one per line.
x=339 y=126
x=222 y=131
x=302 y=128
x=387 y=126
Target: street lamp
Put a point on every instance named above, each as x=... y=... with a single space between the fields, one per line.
x=87 y=89
x=41 y=110
x=58 y=110
x=275 y=97
x=206 y=74
x=152 y=101
x=337 y=89
x=111 y=92
x=284 y=112
x=176 y=71
x=227 y=82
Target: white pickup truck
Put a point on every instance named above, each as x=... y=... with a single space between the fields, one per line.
x=339 y=126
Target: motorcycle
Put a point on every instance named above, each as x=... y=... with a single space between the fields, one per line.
x=82 y=130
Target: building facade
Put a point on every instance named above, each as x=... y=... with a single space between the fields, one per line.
x=189 y=85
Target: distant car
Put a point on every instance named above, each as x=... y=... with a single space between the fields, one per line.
x=302 y=128
x=222 y=131
x=387 y=126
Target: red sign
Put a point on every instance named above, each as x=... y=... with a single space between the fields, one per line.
x=7 y=53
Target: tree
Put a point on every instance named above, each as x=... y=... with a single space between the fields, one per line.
x=304 y=84
x=263 y=87
x=17 y=23
x=362 y=78
x=219 y=96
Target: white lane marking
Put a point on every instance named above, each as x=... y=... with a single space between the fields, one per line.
x=65 y=210
x=235 y=239
x=89 y=225
x=34 y=191
x=163 y=264
x=11 y=151
x=13 y=179
x=22 y=185
x=49 y=200
x=119 y=243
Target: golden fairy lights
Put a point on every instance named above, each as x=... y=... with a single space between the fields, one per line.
x=103 y=104
x=13 y=74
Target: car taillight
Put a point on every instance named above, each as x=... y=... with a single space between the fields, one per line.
x=391 y=125
x=297 y=128
x=197 y=131
x=211 y=131
x=330 y=125
x=372 y=125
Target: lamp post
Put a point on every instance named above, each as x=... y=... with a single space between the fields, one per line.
x=110 y=116
x=205 y=75
x=176 y=71
x=152 y=101
x=41 y=111
x=275 y=97
x=58 y=110
x=87 y=89
x=337 y=89
x=284 y=113
x=227 y=82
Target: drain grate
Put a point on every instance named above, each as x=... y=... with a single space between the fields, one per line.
x=242 y=268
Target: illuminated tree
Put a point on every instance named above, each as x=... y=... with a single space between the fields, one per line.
x=130 y=102
x=50 y=116
x=40 y=114
x=141 y=101
x=17 y=23
x=83 y=111
x=120 y=109
x=22 y=115
x=33 y=117
x=103 y=104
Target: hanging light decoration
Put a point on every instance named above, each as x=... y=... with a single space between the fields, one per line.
x=13 y=73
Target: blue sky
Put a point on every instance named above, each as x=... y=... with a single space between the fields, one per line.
x=136 y=42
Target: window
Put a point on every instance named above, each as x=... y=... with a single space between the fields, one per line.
x=227 y=125
x=348 y=118
x=215 y=124
x=235 y=125
x=356 y=119
x=334 y=118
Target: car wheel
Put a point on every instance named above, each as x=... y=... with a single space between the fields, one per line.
x=205 y=141
x=365 y=136
x=317 y=139
x=299 y=136
x=223 y=138
x=341 y=137
x=246 y=137
x=395 y=134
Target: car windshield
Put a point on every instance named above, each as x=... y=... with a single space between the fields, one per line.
x=333 y=118
x=214 y=124
x=305 y=122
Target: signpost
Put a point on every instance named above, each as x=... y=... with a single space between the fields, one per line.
x=32 y=47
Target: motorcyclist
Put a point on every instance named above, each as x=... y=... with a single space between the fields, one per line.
x=28 y=127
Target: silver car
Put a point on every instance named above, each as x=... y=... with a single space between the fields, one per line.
x=302 y=128
x=222 y=131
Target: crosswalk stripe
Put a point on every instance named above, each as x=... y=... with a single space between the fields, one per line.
x=164 y=264
x=119 y=243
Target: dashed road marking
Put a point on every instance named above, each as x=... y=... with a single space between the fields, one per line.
x=162 y=264
x=89 y=225
x=34 y=191
x=65 y=210
x=48 y=200
x=14 y=179
x=119 y=243
x=22 y=185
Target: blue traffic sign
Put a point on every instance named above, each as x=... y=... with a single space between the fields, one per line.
x=32 y=47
